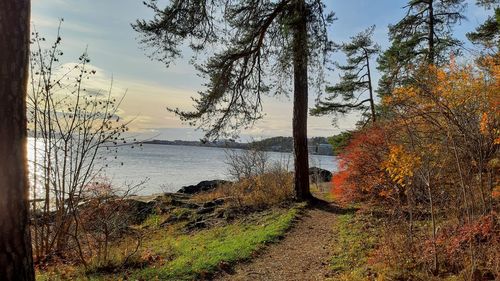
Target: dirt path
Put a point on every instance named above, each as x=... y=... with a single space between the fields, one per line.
x=303 y=254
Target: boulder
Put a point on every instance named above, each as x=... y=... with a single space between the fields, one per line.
x=138 y=210
x=320 y=175
x=184 y=204
x=201 y=186
x=196 y=225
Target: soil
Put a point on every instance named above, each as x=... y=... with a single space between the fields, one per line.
x=303 y=254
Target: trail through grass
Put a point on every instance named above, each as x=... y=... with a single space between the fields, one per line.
x=175 y=256
x=202 y=253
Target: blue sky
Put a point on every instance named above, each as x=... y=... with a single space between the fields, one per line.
x=104 y=27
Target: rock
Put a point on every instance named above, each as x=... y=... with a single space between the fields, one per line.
x=205 y=210
x=139 y=210
x=219 y=213
x=213 y=203
x=230 y=214
x=184 y=204
x=320 y=175
x=197 y=225
x=201 y=186
x=173 y=218
x=170 y=201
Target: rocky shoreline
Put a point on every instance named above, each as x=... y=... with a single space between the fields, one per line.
x=180 y=207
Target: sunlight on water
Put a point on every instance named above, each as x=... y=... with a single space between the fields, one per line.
x=35 y=174
x=169 y=167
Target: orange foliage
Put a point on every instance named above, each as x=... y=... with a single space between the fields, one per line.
x=400 y=165
x=435 y=156
x=495 y=193
x=454 y=92
x=360 y=172
x=339 y=183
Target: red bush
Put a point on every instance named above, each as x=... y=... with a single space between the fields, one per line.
x=360 y=174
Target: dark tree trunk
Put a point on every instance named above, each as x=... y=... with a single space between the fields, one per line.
x=300 y=95
x=431 y=32
x=16 y=261
x=370 y=89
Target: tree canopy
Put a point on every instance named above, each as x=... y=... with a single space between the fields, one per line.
x=488 y=33
x=252 y=54
x=355 y=80
x=424 y=34
x=254 y=48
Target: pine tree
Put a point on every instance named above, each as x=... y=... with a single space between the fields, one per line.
x=355 y=80
x=16 y=262
x=248 y=42
x=488 y=33
x=424 y=35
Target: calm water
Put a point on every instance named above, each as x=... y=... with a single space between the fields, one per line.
x=169 y=167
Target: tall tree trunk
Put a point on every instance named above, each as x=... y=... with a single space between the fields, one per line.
x=370 y=89
x=430 y=35
x=16 y=262
x=300 y=95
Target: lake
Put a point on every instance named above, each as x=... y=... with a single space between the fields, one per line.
x=169 y=167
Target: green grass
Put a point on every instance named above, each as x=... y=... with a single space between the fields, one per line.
x=153 y=221
x=351 y=248
x=192 y=256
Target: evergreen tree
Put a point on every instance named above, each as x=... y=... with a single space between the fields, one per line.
x=247 y=41
x=424 y=35
x=340 y=141
x=488 y=33
x=355 y=80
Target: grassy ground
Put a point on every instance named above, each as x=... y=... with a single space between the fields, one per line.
x=175 y=256
x=359 y=236
x=351 y=248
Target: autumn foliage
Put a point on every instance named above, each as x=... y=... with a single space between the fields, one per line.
x=360 y=174
x=433 y=164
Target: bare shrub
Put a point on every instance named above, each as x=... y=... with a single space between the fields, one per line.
x=246 y=163
x=261 y=191
x=259 y=182
x=104 y=217
x=72 y=128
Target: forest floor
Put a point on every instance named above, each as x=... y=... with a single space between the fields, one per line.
x=303 y=254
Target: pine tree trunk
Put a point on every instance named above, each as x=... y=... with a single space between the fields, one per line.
x=431 y=32
x=300 y=106
x=16 y=261
x=370 y=89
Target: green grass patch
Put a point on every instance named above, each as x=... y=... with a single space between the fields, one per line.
x=191 y=256
x=152 y=221
x=167 y=254
x=351 y=248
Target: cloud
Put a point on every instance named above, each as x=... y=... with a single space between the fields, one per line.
x=43 y=22
x=144 y=103
x=150 y=88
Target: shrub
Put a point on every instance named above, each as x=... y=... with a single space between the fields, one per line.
x=360 y=175
x=271 y=188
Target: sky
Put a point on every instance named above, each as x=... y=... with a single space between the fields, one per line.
x=104 y=29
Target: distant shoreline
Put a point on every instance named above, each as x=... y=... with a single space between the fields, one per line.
x=280 y=144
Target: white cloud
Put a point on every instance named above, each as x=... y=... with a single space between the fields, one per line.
x=41 y=21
